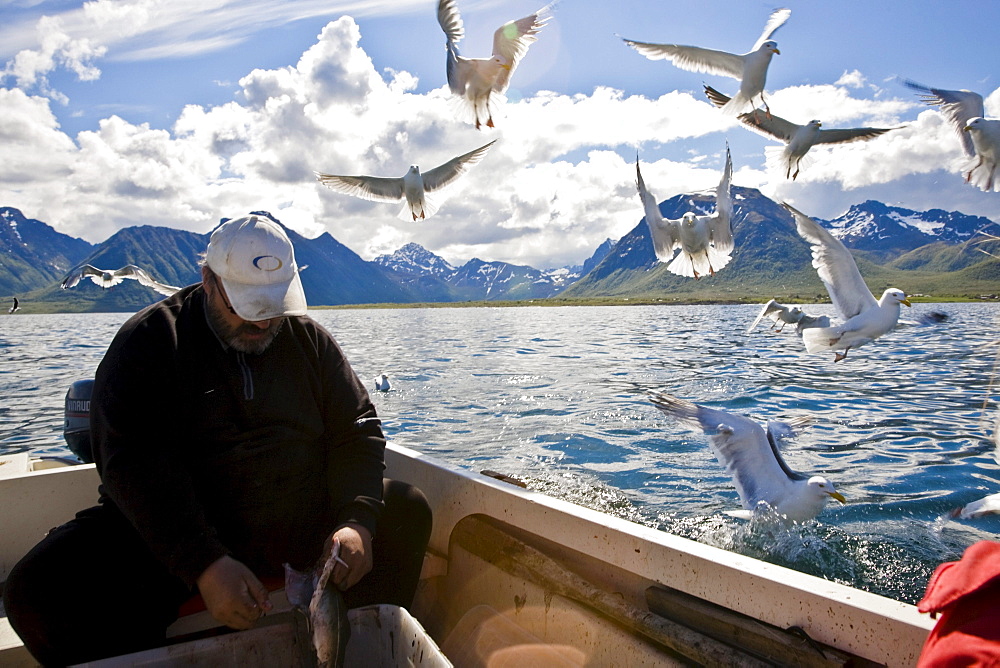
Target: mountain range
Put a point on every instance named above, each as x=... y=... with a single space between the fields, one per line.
x=932 y=252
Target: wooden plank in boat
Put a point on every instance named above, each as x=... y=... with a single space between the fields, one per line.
x=780 y=646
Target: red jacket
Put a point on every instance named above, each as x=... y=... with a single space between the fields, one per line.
x=966 y=594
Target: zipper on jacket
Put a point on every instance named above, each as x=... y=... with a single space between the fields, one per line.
x=247 y=376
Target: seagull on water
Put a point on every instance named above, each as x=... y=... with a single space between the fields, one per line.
x=988 y=505
x=414 y=187
x=107 y=278
x=865 y=318
x=750 y=68
x=382 y=383
x=751 y=457
x=980 y=136
x=788 y=315
x=15 y=305
x=480 y=83
x=705 y=242
x=798 y=139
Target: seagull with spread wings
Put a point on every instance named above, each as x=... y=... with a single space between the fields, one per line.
x=865 y=318
x=798 y=139
x=751 y=457
x=782 y=315
x=705 y=242
x=413 y=187
x=985 y=133
x=958 y=106
x=980 y=136
x=107 y=278
x=14 y=306
x=480 y=83
x=749 y=68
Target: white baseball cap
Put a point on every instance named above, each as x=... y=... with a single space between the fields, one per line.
x=256 y=263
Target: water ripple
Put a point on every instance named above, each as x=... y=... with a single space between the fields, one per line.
x=558 y=398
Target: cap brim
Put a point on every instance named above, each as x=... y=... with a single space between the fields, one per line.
x=263 y=302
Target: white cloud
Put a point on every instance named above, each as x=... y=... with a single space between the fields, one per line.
x=992 y=104
x=34 y=154
x=57 y=48
x=852 y=79
x=560 y=180
x=38 y=43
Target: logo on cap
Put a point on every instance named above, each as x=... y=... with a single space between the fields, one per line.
x=268 y=263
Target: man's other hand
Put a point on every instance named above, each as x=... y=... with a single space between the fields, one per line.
x=355 y=554
x=232 y=593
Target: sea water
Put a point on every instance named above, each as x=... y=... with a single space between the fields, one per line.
x=558 y=397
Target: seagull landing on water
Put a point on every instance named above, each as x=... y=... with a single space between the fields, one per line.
x=988 y=505
x=413 y=187
x=798 y=139
x=750 y=68
x=865 y=318
x=788 y=315
x=15 y=305
x=479 y=83
x=382 y=383
x=107 y=278
x=705 y=242
x=751 y=457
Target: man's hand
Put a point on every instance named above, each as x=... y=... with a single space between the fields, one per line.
x=355 y=554
x=232 y=593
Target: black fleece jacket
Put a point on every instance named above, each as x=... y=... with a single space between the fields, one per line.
x=208 y=451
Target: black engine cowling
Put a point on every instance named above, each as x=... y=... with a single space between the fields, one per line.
x=76 y=425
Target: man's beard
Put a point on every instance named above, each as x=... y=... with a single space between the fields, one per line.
x=244 y=337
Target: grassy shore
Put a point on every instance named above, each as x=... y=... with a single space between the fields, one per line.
x=641 y=301
x=85 y=306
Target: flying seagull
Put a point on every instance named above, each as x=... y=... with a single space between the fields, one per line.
x=705 y=242
x=751 y=457
x=480 y=83
x=788 y=315
x=750 y=68
x=981 y=172
x=107 y=278
x=958 y=106
x=798 y=139
x=980 y=136
x=15 y=305
x=865 y=319
x=413 y=187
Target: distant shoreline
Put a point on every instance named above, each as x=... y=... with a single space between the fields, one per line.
x=634 y=301
x=32 y=308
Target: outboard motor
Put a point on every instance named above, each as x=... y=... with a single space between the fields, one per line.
x=76 y=426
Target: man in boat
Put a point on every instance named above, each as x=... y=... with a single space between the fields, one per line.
x=231 y=436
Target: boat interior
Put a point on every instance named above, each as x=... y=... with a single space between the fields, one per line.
x=514 y=577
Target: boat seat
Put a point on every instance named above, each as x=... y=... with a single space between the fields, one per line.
x=14 y=465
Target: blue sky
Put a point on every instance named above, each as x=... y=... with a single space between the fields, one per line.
x=125 y=112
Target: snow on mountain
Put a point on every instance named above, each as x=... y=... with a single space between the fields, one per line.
x=879 y=227
x=415 y=259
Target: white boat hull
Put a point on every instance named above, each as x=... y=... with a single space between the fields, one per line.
x=518 y=575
